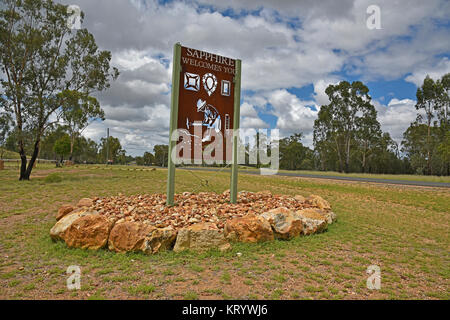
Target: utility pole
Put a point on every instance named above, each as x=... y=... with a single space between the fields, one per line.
x=107 y=145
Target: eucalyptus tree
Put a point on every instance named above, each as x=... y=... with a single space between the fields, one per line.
x=62 y=147
x=368 y=137
x=293 y=152
x=148 y=158
x=443 y=150
x=426 y=137
x=45 y=64
x=48 y=140
x=427 y=100
x=443 y=113
x=346 y=116
x=77 y=113
x=111 y=149
x=161 y=154
x=443 y=116
x=415 y=146
x=323 y=140
x=85 y=150
x=5 y=128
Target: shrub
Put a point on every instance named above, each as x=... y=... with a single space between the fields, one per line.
x=53 y=178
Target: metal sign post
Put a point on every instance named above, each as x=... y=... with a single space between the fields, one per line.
x=107 y=146
x=204 y=108
x=173 y=121
x=237 y=108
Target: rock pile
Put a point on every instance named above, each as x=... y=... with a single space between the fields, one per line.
x=143 y=223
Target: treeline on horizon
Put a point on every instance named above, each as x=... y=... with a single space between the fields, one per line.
x=347 y=135
x=347 y=138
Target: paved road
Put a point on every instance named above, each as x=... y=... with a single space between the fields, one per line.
x=318 y=176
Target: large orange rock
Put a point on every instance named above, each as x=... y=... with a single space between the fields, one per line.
x=159 y=239
x=88 y=232
x=329 y=215
x=250 y=228
x=128 y=236
x=324 y=207
x=318 y=202
x=314 y=221
x=300 y=198
x=135 y=236
x=201 y=237
x=64 y=210
x=284 y=224
x=58 y=230
x=85 y=202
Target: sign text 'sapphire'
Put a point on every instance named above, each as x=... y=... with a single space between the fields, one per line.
x=211 y=61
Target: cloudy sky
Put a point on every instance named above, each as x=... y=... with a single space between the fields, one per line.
x=291 y=50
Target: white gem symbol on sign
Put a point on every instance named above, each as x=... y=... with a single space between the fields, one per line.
x=191 y=81
x=226 y=86
x=209 y=83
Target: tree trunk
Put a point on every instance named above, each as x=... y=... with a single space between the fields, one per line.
x=338 y=151
x=72 y=142
x=23 y=165
x=341 y=163
x=428 y=149
x=364 y=162
x=322 y=160
x=347 y=158
x=32 y=160
x=23 y=156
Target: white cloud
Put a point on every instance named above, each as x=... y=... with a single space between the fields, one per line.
x=131 y=59
x=247 y=110
x=293 y=115
x=250 y=117
x=283 y=45
x=435 y=72
x=396 y=117
x=255 y=123
x=319 y=91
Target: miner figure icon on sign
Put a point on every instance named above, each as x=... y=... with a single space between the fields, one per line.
x=211 y=119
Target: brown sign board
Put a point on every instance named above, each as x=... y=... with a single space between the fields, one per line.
x=206 y=98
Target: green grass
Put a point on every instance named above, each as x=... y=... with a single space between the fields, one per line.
x=226 y=277
x=196 y=268
x=141 y=289
x=121 y=278
x=53 y=178
x=404 y=230
x=407 y=177
x=190 y=295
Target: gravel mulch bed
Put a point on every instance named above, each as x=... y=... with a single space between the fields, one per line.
x=191 y=208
